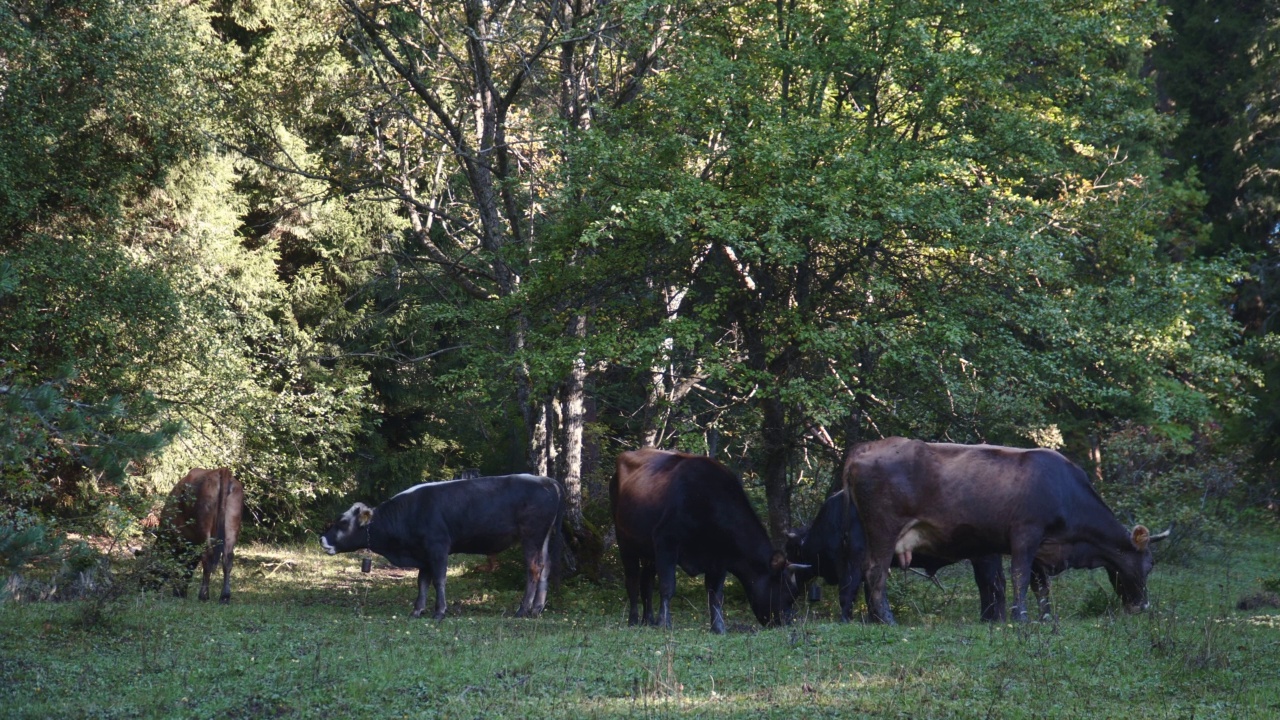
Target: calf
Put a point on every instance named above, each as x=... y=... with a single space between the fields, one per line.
x=674 y=510
x=422 y=526
x=200 y=523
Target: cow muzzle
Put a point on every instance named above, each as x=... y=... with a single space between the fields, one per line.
x=1136 y=608
x=324 y=543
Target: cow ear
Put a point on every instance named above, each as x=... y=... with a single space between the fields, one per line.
x=1141 y=537
x=366 y=514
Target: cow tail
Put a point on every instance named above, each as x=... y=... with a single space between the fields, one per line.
x=220 y=516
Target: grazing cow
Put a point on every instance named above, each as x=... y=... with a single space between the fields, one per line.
x=672 y=509
x=204 y=506
x=965 y=501
x=834 y=545
x=422 y=526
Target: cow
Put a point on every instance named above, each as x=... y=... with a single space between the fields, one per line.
x=965 y=501
x=834 y=546
x=425 y=524
x=672 y=509
x=200 y=523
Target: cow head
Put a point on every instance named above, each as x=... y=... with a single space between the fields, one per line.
x=349 y=532
x=1129 y=574
x=773 y=595
x=797 y=548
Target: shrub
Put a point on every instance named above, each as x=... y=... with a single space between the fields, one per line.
x=1164 y=478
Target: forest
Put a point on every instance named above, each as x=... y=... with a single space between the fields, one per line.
x=347 y=246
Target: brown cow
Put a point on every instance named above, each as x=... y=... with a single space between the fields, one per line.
x=958 y=502
x=672 y=510
x=204 y=506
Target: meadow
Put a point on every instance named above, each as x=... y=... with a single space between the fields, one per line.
x=308 y=635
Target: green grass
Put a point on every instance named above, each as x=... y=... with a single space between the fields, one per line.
x=308 y=635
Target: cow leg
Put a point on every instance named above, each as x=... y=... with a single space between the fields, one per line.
x=432 y=574
x=875 y=574
x=1040 y=584
x=531 y=573
x=715 y=600
x=648 y=576
x=425 y=581
x=441 y=570
x=208 y=561
x=1024 y=554
x=988 y=574
x=535 y=588
x=665 y=563
x=631 y=570
x=850 y=579
x=228 y=553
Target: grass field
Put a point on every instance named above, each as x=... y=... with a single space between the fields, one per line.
x=307 y=635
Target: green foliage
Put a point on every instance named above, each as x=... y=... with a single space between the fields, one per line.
x=1155 y=475
x=97 y=104
x=1217 y=68
x=899 y=219
x=23 y=538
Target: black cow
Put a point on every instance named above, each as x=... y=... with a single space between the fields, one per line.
x=834 y=546
x=422 y=526
x=200 y=523
x=966 y=501
x=673 y=509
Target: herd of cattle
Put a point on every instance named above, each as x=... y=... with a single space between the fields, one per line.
x=905 y=503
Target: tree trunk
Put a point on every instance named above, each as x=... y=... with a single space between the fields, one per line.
x=573 y=414
x=776 y=455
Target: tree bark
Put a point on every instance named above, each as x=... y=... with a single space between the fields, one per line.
x=776 y=455
x=573 y=413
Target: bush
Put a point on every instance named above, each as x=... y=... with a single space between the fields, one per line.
x=42 y=565
x=1164 y=477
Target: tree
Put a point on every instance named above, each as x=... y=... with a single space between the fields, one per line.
x=1217 y=68
x=915 y=219
x=448 y=113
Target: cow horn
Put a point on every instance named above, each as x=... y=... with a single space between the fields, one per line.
x=1163 y=535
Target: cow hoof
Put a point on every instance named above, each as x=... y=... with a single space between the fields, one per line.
x=225 y=600
x=416 y=614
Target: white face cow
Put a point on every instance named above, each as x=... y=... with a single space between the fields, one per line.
x=349 y=532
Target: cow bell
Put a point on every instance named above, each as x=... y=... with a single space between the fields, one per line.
x=366 y=564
